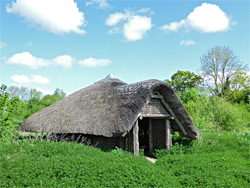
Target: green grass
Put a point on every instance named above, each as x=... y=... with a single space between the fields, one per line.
x=218 y=159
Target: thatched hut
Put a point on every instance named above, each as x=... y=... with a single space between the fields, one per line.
x=112 y=113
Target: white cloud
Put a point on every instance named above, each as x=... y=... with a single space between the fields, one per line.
x=45 y=92
x=174 y=26
x=56 y=16
x=115 y=18
x=28 y=60
x=92 y=62
x=65 y=61
x=39 y=79
x=206 y=18
x=145 y=10
x=187 y=42
x=103 y=4
x=23 y=79
x=20 y=79
x=2 y=44
x=115 y=30
x=135 y=26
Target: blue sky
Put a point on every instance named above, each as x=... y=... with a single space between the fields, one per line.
x=69 y=44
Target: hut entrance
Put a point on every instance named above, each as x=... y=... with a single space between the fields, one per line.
x=144 y=134
x=154 y=133
x=153 y=129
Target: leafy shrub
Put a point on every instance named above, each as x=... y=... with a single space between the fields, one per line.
x=229 y=117
x=190 y=95
x=181 y=146
x=119 y=151
x=214 y=113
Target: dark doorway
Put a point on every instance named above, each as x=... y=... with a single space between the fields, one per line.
x=143 y=135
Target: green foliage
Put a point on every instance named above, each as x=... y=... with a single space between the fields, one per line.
x=13 y=110
x=182 y=80
x=229 y=117
x=242 y=96
x=33 y=162
x=18 y=110
x=190 y=95
x=4 y=107
x=51 y=99
x=59 y=94
x=119 y=151
x=218 y=159
x=33 y=105
x=215 y=113
x=180 y=146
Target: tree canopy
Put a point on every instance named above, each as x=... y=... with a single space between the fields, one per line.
x=182 y=80
x=219 y=66
x=18 y=103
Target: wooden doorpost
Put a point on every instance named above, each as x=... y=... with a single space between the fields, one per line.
x=168 y=135
x=136 y=138
x=150 y=135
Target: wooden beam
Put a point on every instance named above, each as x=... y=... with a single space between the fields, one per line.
x=156 y=115
x=136 y=138
x=157 y=96
x=176 y=119
x=156 y=93
x=150 y=135
x=168 y=135
x=124 y=134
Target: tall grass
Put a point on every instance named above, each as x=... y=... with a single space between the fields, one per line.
x=41 y=163
x=218 y=159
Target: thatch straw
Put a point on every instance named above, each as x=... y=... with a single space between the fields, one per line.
x=107 y=108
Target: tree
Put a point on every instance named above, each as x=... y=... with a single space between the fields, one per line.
x=33 y=105
x=18 y=110
x=182 y=80
x=240 y=81
x=219 y=65
x=21 y=92
x=33 y=93
x=60 y=94
x=240 y=88
x=4 y=107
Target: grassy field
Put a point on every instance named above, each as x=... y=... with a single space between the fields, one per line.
x=218 y=159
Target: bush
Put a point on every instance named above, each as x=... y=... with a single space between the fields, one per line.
x=214 y=113
x=229 y=117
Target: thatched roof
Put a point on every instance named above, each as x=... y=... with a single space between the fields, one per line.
x=107 y=108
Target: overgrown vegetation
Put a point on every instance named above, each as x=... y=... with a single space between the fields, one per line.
x=216 y=160
x=215 y=113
